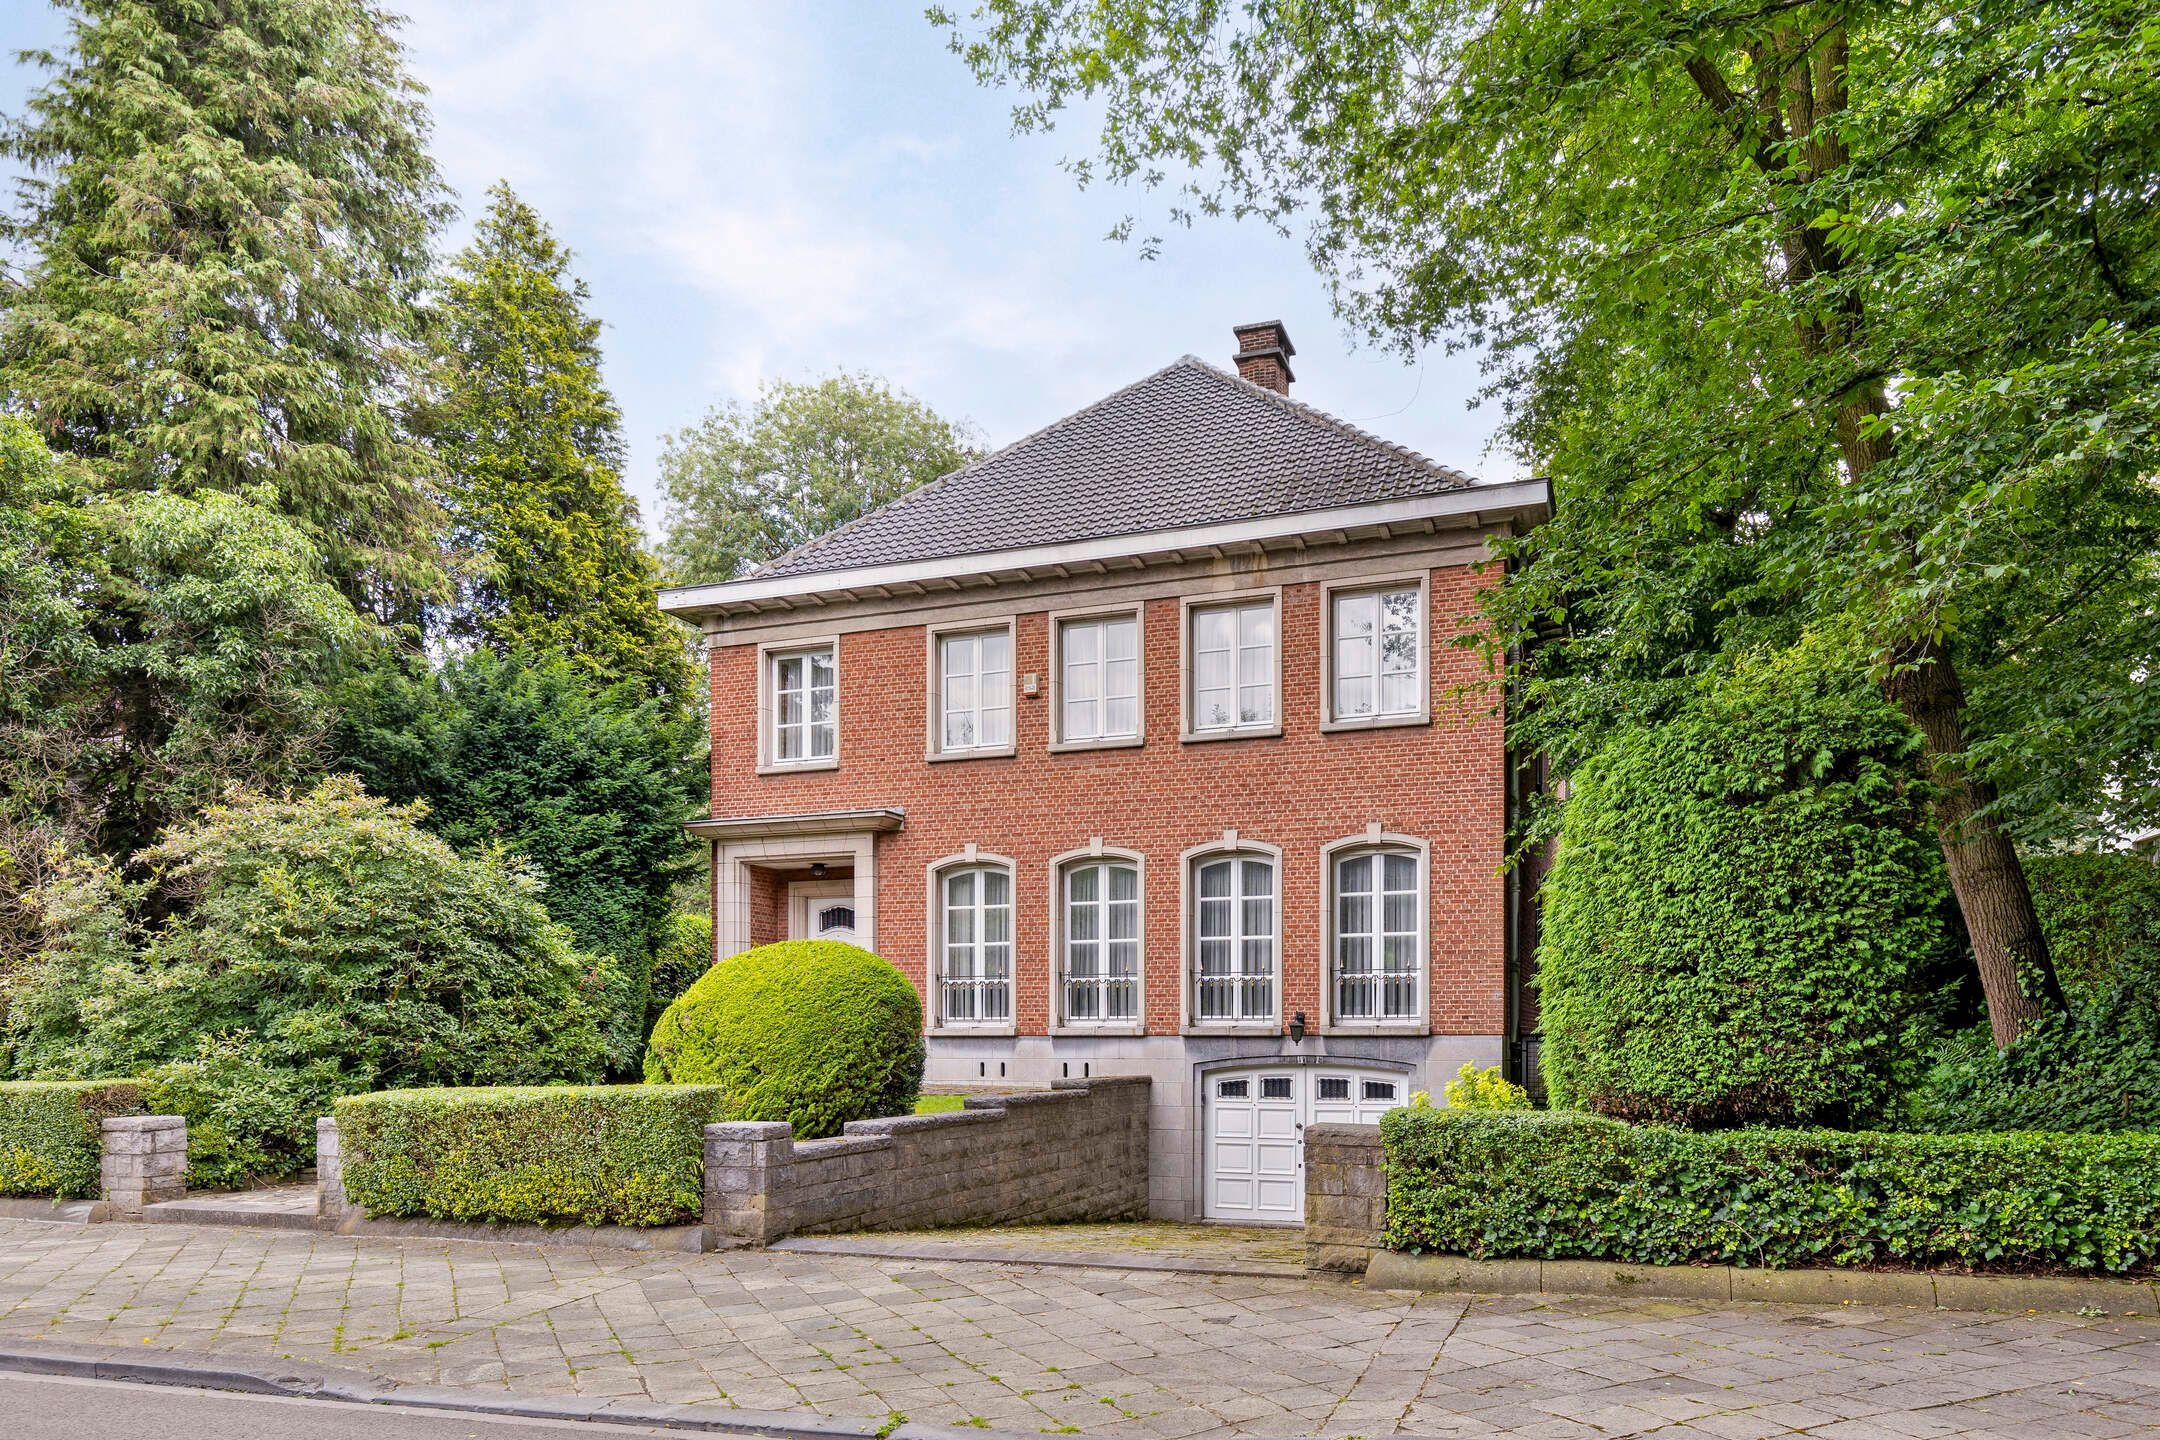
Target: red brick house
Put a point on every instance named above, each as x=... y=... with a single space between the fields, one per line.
x=1139 y=746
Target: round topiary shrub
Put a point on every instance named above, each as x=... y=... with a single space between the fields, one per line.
x=1740 y=902
x=813 y=1032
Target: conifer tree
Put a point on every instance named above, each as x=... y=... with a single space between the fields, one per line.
x=229 y=214
x=224 y=226
x=531 y=446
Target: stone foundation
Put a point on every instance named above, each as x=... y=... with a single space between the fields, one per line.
x=1177 y=1066
x=1078 y=1151
x=1345 y=1197
x=143 y=1162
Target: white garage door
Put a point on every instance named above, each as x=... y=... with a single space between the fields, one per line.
x=1254 y=1139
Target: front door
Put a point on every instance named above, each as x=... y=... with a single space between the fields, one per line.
x=1254 y=1137
x=822 y=910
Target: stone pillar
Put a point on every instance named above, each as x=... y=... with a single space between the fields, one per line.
x=743 y=1161
x=1345 y=1196
x=142 y=1162
x=331 y=1205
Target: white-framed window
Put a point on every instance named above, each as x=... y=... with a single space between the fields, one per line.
x=803 y=689
x=974 y=690
x=1099 y=678
x=1099 y=929
x=1233 y=670
x=1236 y=934
x=975 y=945
x=1377 y=935
x=1376 y=653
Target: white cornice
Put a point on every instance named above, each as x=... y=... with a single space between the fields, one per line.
x=1527 y=500
x=818 y=822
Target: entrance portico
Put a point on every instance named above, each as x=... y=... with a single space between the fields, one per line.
x=780 y=877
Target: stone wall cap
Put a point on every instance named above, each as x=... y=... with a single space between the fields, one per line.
x=144 y=1122
x=326 y=1125
x=1094 y=1080
x=749 y=1130
x=893 y=1124
x=1344 y=1134
x=836 y=1145
x=1024 y=1098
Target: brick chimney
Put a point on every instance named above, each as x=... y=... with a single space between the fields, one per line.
x=1263 y=355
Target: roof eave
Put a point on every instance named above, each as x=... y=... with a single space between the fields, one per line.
x=1517 y=501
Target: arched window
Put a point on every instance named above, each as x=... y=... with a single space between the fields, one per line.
x=1099 y=927
x=1377 y=934
x=975 y=945
x=1235 y=927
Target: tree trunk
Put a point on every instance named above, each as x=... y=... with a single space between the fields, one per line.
x=2016 y=972
x=1801 y=81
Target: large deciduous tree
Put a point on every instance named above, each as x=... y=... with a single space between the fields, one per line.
x=532 y=450
x=750 y=482
x=1822 y=316
x=154 y=649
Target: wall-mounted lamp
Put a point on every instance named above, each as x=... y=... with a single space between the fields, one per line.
x=817 y=870
x=1297 y=1028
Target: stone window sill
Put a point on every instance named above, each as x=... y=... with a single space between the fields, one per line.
x=987 y=752
x=1383 y=722
x=1081 y=747
x=797 y=767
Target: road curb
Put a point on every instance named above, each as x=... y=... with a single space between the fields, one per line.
x=1921 y=1289
x=298 y=1380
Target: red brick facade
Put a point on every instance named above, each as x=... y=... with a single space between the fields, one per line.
x=1442 y=782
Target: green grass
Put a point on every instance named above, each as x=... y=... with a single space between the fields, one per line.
x=937 y=1104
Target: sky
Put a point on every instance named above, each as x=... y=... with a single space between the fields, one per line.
x=758 y=192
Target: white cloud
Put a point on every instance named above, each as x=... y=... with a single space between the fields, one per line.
x=760 y=191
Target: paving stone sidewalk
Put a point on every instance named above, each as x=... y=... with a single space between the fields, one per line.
x=1059 y=1349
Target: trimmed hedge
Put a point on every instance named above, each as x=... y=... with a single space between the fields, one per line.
x=1557 y=1185
x=814 y=1032
x=49 y=1142
x=1742 y=901
x=537 y=1154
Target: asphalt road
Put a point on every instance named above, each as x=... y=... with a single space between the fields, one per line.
x=40 y=1407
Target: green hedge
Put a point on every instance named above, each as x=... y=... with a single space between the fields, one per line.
x=49 y=1133
x=557 y=1154
x=1743 y=898
x=813 y=1032
x=1572 y=1186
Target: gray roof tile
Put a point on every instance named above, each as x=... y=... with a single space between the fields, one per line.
x=1189 y=445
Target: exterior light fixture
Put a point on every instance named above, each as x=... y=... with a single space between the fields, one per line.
x=817 y=870
x=1297 y=1028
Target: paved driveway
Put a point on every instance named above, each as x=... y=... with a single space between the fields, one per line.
x=1037 y=1348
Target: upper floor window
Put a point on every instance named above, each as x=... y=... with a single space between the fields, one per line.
x=1379 y=937
x=1101 y=935
x=1099 y=679
x=1235 y=938
x=975 y=945
x=975 y=704
x=1233 y=671
x=1377 y=654
x=805 y=705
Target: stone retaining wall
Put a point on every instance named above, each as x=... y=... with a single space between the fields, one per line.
x=1345 y=1197
x=1078 y=1151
